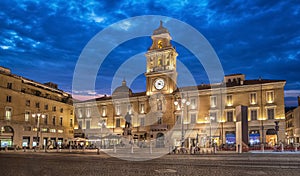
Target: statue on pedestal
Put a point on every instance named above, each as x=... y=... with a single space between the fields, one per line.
x=127 y=120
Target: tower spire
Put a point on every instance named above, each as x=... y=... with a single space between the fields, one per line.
x=124 y=82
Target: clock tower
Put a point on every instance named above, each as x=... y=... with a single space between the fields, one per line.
x=161 y=74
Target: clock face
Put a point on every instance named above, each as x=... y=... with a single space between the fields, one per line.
x=159 y=84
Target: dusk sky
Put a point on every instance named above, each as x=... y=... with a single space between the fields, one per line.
x=42 y=40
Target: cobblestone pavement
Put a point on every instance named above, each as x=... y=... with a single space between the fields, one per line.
x=89 y=163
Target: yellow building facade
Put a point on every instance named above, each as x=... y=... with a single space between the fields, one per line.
x=293 y=125
x=197 y=115
x=33 y=114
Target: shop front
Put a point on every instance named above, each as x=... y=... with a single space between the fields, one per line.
x=254 y=137
x=271 y=137
x=230 y=137
x=6 y=137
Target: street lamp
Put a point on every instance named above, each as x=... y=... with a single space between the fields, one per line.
x=210 y=118
x=181 y=103
x=38 y=116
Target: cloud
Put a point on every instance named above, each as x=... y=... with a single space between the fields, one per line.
x=258 y=38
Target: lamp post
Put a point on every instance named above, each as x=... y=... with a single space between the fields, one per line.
x=210 y=118
x=182 y=103
x=277 y=130
x=38 y=116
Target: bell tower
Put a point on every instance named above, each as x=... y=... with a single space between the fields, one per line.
x=161 y=74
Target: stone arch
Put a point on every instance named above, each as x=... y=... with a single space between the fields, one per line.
x=6 y=136
x=160 y=140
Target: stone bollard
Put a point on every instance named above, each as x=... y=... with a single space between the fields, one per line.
x=83 y=149
x=150 y=148
x=24 y=149
x=6 y=148
x=15 y=148
x=70 y=148
x=131 y=148
x=262 y=148
x=98 y=151
x=281 y=148
x=296 y=149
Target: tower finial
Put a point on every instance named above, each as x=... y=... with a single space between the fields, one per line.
x=161 y=23
x=124 y=82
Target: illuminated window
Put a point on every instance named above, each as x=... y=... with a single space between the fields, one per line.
x=142 y=108
x=159 y=61
x=27 y=115
x=104 y=111
x=159 y=44
x=253 y=114
x=80 y=113
x=8 y=113
x=60 y=131
x=118 y=110
x=271 y=113
x=52 y=130
x=270 y=96
x=253 y=98
x=213 y=101
x=229 y=100
x=193 y=103
x=88 y=112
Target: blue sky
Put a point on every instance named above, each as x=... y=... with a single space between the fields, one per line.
x=42 y=40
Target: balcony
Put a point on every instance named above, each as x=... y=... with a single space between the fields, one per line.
x=161 y=127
